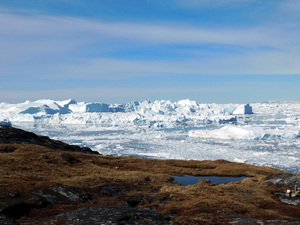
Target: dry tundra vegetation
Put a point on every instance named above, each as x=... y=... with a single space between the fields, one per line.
x=24 y=168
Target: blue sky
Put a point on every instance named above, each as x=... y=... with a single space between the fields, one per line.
x=117 y=51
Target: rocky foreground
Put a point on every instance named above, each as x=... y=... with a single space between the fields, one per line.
x=43 y=181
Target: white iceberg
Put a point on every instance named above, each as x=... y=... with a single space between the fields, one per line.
x=160 y=113
x=239 y=110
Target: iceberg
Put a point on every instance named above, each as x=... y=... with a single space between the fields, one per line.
x=79 y=107
x=146 y=113
x=159 y=113
x=67 y=103
x=163 y=112
x=43 y=106
x=97 y=107
x=246 y=109
x=240 y=110
x=45 y=109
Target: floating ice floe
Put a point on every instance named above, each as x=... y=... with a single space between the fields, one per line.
x=246 y=132
x=230 y=132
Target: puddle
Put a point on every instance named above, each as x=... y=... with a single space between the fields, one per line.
x=188 y=179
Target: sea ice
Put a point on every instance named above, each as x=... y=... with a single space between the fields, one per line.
x=230 y=132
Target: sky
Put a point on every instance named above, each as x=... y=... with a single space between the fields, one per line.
x=115 y=51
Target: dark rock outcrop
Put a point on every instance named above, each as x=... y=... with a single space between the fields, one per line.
x=74 y=194
x=285 y=179
x=41 y=198
x=11 y=135
x=110 y=216
x=111 y=190
x=13 y=194
x=289 y=200
x=60 y=194
x=291 y=180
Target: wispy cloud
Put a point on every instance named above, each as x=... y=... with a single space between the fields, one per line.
x=59 y=45
x=257 y=63
x=44 y=29
x=58 y=28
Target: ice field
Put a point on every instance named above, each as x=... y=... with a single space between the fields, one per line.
x=265 y=134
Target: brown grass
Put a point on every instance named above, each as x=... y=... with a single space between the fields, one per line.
x=27 y=167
